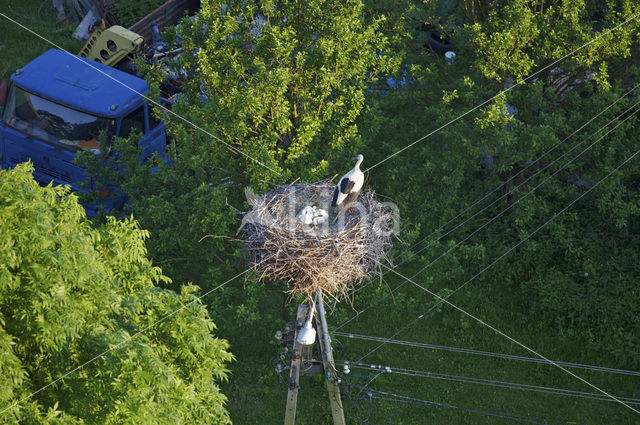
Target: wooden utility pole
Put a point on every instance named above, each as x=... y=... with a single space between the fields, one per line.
x=302 y=363
x=329 y=366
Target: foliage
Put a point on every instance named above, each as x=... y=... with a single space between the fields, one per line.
x=284 y=82
x=69 y=292
x=581 y=269
x=522 y=35
x=287 y=94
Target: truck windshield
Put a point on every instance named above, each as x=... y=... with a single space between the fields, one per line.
x=55 y=123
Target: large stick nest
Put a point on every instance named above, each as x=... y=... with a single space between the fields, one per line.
x=334 y=256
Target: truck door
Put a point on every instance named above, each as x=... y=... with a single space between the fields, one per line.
x=134 y=122
x=152 y=130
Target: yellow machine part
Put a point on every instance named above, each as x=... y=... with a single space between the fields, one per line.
x=110 y=45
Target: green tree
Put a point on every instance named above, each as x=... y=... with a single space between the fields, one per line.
x=68 y=292
x=283 y=81
x=524 y=35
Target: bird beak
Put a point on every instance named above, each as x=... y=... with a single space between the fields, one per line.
x=354 y=159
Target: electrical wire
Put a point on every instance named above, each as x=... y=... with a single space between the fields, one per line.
x=489 y=382
x=503 y=211
x=507 y=336
x=441 y=299
x=413 y=400
x=440 y=237
x=404 y=399
x=494 y=190
x=529 y=165
x=548 y=361
x=371 y=392
x=486 y=353
x=503 y=184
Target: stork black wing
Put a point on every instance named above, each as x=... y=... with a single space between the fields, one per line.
x=346 y=186
x=335 y=198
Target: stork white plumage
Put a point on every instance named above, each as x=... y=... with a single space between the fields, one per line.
x=349 y=187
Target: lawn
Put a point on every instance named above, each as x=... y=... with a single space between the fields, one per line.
x=18 y=45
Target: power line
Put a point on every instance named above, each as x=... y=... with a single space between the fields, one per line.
x=507 y=181
x=441 y=299
x=502 y=212
x=529 y=165
x=504 y=91
x=517 y=201
x=406 y=399
x=413 y=255
x=507 y=336
x=486 y=353
x=489 y=382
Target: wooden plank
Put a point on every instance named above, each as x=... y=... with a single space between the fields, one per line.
x=327 y=359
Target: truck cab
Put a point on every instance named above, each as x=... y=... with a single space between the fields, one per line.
x=60 y=104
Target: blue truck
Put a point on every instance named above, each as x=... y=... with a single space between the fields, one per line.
x=60 y=104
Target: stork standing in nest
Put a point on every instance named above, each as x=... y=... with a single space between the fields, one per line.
x=349 y=187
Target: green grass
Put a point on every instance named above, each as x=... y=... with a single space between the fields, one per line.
x=18 y=46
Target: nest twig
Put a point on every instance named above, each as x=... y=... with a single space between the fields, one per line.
x=334 y=256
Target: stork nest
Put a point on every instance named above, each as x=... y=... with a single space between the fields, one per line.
x=334 y=256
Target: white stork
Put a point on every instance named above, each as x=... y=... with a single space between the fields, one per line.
x=349 y=187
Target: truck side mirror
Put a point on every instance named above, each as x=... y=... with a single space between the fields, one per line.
x=3 y=92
